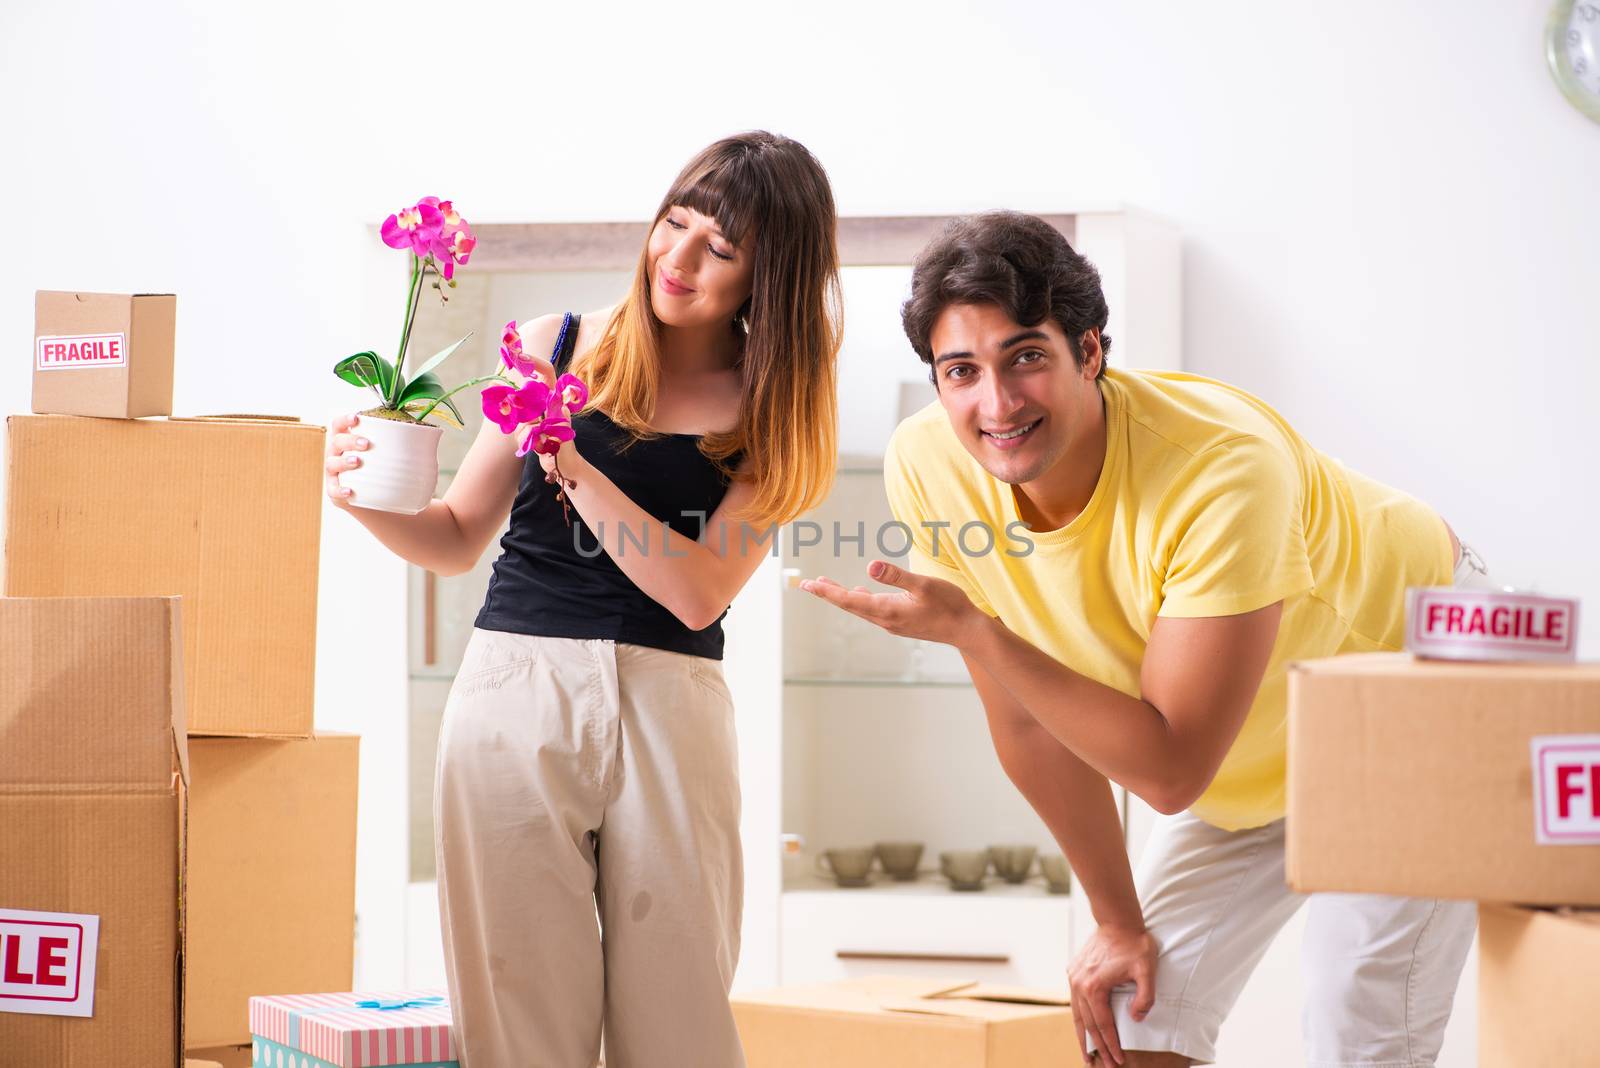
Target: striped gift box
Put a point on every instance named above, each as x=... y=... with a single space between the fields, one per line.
x=265 y=1053
x=359 y=1030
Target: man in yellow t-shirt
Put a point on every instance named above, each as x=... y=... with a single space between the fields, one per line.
x=1127 y=562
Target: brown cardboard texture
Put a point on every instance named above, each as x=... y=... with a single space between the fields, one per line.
x=191 y=1062
x=104 y=354
x=1416 y=778
x=1538 y=985
x=882 y=1021
x=224 y=513
x=272 y=876
x=91 y=815
x=220 y=1057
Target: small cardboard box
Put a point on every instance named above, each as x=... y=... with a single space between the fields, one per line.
x=91 y=827
x=885 y=1021
x=104 y=354
x=1538 y=986
x=225 y=513
x=220 y=1057
x=411 y=1028
x=1437 y=779
x=272 y=876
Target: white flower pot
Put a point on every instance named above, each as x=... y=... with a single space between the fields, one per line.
x=399 y=469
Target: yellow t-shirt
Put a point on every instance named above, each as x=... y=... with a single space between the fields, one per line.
x=1208 y=504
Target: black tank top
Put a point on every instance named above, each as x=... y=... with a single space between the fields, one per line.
x=557 y=581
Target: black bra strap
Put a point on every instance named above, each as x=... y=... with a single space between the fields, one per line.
x=566 y=342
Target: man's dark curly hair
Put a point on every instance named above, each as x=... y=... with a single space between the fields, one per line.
x=1016 y=261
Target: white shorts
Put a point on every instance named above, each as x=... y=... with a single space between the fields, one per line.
x=1380 y=972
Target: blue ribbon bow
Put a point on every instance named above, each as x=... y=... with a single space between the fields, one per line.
x=297 y=1015
x=414 y=1003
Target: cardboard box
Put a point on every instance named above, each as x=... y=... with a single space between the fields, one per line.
x=885 y=1021
x=91 y=827
x=405 y=1027
x=105 y=354
x=1436 y=779
x=1538 y=986
x=272 y=876
x=225 y=513
x=221 y=1057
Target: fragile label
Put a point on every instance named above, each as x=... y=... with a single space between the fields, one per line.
x=47 y=962
x=1566 y=789
x=80 y=350
x=1454 y=624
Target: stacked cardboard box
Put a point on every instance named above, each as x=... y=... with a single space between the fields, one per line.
x=105 y=354
x=224 y=513
x=1538 y=985
x=219 y=518
x=271 y=876
x=91 y=831
x=883 y=1020
x=1463 y=780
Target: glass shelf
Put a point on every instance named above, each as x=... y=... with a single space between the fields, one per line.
x=822 y=680
x=929 y=884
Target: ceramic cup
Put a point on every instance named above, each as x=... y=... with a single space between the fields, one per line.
x=1057 y=876
x=849 y=867
x=964 y=868
x=1012 y=863
x=899 y=859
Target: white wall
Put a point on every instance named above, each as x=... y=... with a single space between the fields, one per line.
x=1388 y=212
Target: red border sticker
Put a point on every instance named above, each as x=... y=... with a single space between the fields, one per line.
x=67 y=352
x=1566 y=789
x=21 y=935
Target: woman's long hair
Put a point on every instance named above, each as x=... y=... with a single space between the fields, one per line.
x=770 y=187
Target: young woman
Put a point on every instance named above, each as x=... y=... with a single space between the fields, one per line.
x=587 y=760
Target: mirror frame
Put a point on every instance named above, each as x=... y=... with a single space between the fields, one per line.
x=864 y=241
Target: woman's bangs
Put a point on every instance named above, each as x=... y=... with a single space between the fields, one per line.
x=728 y=198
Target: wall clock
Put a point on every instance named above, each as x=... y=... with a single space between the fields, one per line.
x=1572 y=47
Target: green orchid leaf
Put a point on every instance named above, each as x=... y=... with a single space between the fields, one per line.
x=366 y=369
x=425 y=386
x=442 y=355
x=420 y=410
x=448 y=403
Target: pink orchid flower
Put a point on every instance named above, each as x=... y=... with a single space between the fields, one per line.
x=498 y=408
x=453 y=243
x=509 y=407
x=546 y=436
x=535 y=401
x=511 y=353
x=415 y=228
x=573 y=393
x=457 y=252
x=452 y=217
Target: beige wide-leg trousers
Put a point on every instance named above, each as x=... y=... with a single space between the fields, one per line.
x=576 y=777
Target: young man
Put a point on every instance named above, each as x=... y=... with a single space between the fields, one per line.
x=1183 y=544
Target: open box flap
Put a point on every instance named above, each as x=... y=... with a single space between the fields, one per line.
x=979 y=1001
